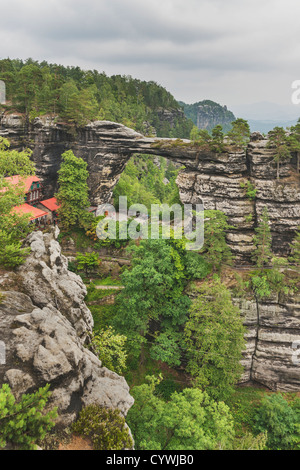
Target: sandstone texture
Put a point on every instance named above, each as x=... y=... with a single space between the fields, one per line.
x=218 y=181
x=272 y=357
x=44 y=325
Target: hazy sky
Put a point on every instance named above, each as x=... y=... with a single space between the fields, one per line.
x=230 y=51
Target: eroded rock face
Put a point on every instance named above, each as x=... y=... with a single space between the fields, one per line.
x=273 y=339
x=45 y=276
x=44 y=329
x=214 y=179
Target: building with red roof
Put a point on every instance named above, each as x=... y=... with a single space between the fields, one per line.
x=32 y=185
x=50 y=204
x=35 y=213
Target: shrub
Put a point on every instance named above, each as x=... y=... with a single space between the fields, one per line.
x=280 y=420
x=105 y=427
x=23 y=423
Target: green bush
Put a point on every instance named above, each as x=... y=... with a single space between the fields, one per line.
x=281 y=422
x=105 y=427
x=23 y=423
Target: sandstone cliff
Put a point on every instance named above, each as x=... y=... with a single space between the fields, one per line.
x=214 y=179
x=44 y=323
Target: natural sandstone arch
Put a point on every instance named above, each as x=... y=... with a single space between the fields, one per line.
x=211 y=178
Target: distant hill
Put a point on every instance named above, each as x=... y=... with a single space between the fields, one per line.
x=76 y=96
x=265 y=126
x=207 y=114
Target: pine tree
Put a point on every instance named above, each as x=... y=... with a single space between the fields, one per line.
x=278 y=141
x=240 y=133
x=263 y=241
x=295 y=248
x=217 y=142
x=294 y=141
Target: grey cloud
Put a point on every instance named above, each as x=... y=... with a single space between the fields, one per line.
x=236 y=42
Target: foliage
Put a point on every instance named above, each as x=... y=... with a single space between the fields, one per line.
x=239 y=135
x=217 y=141
x=189 y=420
x=215 y=249
x=73 y=191
x=273 y=279
x=152 y=302
x=262 y=241
x=77 y=96
x=214 y=334
x=23 y=423
x=145 y=182
x=13 y=226
x=87 y=261
x=294 y=141
x=295 y=250
x=249 y=190
x=278 y=141
x=105 y=427
x=241 y=285
x=281 y=422
x=196 y=266
x=250 y=442
x=110 y=349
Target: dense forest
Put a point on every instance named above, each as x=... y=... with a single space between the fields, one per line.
x=77 y=96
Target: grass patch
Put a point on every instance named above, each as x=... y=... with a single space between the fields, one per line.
x=108 y=281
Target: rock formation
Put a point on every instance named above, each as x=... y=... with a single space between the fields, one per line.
x=273 y=336
x=214 y=179
x=217 y=180
x=44 y=324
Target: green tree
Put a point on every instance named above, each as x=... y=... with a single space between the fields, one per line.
x=240 y=133
x=295 y=250
x=110 y=349
x=278 y=142
x=217 y=141
x=281 y=422
x=294 y=141
x=263 y=241
x=153 y=303
x=214 y=334
x=87 y=261
x=13 y=226
x=23 y=423
x=73 y=191
x=189 y=420
x=215 y=249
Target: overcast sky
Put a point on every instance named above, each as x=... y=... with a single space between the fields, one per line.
x=230 y=51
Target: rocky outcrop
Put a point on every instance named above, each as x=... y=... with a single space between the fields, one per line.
x=214 y=179
x=45 y=276
x=44 y=324
x=272 y=357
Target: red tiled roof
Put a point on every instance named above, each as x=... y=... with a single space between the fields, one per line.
x=27 y=209
x=50 y=204
x=27 y=181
